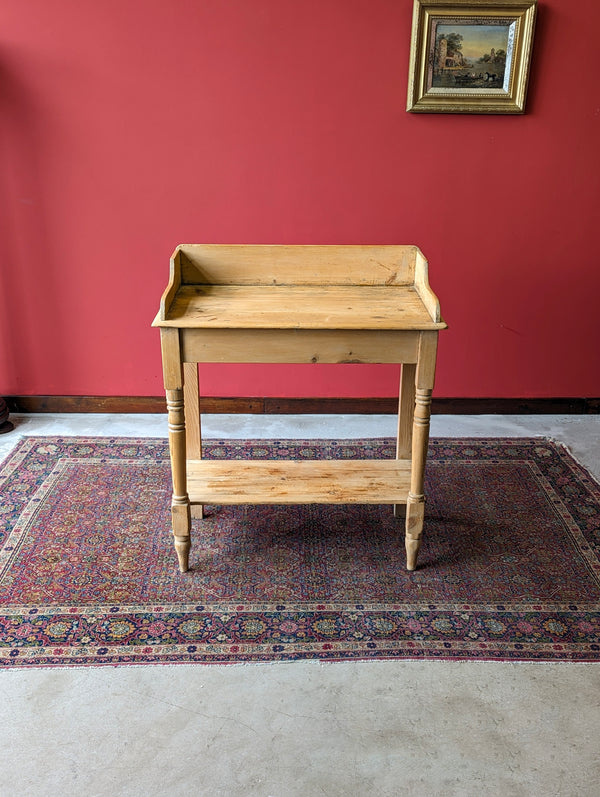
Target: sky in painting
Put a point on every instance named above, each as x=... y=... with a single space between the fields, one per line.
x=478 y=39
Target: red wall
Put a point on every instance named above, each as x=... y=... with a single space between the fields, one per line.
x=128 y=127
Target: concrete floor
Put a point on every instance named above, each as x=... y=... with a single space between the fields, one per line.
x=306 y=728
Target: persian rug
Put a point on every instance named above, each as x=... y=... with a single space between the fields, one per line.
x=509 y=567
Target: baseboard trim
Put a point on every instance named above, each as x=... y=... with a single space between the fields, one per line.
x=304 y=406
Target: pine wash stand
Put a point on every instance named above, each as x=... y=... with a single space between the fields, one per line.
x=298 y=304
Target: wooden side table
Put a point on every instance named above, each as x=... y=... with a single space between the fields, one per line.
x=298 y=304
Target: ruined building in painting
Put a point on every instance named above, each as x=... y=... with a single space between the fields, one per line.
x=448 y=58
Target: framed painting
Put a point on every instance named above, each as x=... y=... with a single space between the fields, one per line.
x=470 y=56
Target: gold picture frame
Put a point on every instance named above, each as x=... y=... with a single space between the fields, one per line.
x=470 y=56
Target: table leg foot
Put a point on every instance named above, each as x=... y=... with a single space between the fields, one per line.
x=415 y=516
x=182 y=526
x=182 y=549
x=412 y=553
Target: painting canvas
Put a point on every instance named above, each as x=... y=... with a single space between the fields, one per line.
x=471 y=56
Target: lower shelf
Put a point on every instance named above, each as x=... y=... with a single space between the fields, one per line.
x=381 y=481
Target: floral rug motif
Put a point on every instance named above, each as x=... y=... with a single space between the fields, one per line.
x=509 y=568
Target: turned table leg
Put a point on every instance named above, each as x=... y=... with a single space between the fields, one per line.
x=415 y=507
x=180 y=504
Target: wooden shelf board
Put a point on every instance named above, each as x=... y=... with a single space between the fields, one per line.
x=298 y=482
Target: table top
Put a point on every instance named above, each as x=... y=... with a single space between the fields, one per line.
x=216 y=286
x=299 y=307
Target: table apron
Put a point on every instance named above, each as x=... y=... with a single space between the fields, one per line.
x=298 y=345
